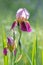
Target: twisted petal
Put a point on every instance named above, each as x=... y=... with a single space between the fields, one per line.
x=25 y=26
x=14 y=24
x=22 y=12
x=5 y=51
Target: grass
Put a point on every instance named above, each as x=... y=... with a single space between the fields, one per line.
x=30 y=48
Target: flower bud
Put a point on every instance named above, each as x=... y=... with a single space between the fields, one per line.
x=5 y=51
x=11 y=44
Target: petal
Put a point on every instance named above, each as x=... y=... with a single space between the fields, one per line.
x=10 y=43
x=25 y=26
x=29 y=29
x=14 y=24
x=22 y=12
x=26 y=13
x=10 y=40
x=19 y=12
x=22 y=26
x=5 y=51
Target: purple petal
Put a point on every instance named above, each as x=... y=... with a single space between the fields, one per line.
x=14 y=24
x=5 y=51
x=25 y=26
x=29 y=29
x=10 y=40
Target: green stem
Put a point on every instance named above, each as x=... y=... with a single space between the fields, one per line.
x=36 y=51
x=20 y=41
x=14 y=60
x=13 y=35
x=19 y=38
x=42 y=56
x=4 y=45
x=5 y=60
x=11 y=57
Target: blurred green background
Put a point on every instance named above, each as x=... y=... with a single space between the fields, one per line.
x=33 y=46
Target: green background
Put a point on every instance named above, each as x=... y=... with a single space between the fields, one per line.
x=33 y=46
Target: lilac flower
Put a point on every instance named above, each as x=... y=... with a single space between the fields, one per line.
x=5 y=51
x=22 y=16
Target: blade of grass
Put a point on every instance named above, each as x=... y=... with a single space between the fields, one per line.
x=11 y=57
x=36 y=50
x=42 y=56
x=4 y=45
x=26 y=53
x=33 y=50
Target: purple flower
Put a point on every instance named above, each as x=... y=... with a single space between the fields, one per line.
x=21 y=18
x=10 y=43
x=5 y=51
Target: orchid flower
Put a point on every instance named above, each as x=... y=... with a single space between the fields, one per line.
x=22 y=16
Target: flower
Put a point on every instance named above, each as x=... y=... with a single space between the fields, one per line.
x=11 y=43
x=22 y=16
x=5 y=51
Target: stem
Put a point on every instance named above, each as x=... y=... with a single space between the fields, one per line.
x=36 y=51
x=19 y=37
x=5 y=60
x=14 y=60
x=19 y=41
x=13 y=35
x=4 y=45
x=11 y=57
x=42 y=56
